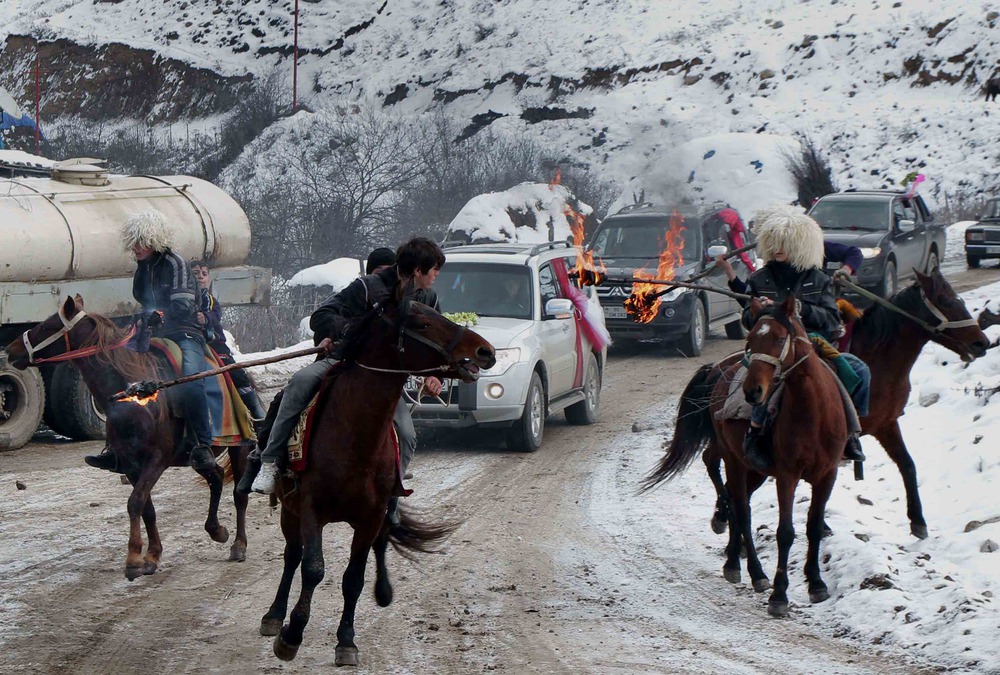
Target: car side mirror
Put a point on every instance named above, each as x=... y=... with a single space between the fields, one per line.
x=559 y=308
x=907 y=225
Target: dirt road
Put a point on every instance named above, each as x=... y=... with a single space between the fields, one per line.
x=558 y=566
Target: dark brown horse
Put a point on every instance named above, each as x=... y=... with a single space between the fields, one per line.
x=351 y=463
x=808 y=436
x=889 y=341
x=145 y=439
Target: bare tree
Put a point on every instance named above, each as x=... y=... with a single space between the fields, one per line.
x=811 y=172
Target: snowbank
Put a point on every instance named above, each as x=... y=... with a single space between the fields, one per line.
x=530 y=212
x=337 y=273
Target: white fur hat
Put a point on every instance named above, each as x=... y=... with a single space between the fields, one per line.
x=148 y=228
x=787 y=228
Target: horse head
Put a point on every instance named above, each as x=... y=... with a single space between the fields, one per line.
x=62 y=332
x=952 y=325
x=411 y=337
x=772 y=347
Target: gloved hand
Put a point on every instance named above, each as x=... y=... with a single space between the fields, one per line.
x=152 y=319
x=843 y=274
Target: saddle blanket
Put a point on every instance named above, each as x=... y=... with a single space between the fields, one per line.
x=228 y=415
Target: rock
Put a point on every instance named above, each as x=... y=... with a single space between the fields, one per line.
x=879 y=582
x=19 y=485
x=639 y=428
x=989 y=546
x=777 y=24
x=992 y=16
x=865 y=501
x=978 y=438
x=93 y=504
x=929 y=399
x=862 y=537
x=691 y=79
x=433 y=626
x=976 y=524
x=766 y=74
x=987 y=594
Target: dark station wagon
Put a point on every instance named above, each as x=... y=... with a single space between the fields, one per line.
x=982 y=240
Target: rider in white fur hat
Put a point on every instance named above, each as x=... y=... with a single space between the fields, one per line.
x=791 y=245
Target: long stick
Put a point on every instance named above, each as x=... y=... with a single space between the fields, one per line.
x=150 y=388
x=685 y=284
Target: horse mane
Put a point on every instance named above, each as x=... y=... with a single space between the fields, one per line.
x=132 y=366
x=879 y=325
x=358 y=334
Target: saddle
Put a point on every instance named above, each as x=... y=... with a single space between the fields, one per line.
x=231 y=422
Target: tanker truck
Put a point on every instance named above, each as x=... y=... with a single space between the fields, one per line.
x=59 y=236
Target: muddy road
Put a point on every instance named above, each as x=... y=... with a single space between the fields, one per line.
x=557 y=567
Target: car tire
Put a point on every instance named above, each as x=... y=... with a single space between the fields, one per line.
x=586 y=411
x=890 y=282
x=972 y=260
x=22 y=400
x=735 y=330
x=74 y=411
x=693 y=340
x=932 y=262
x=525 y=435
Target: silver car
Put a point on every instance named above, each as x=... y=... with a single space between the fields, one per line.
x=545 y=364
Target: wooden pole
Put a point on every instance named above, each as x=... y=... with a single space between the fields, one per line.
x=38 y=96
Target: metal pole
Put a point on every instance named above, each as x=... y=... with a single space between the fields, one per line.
x=38 y=95
x=295 y=62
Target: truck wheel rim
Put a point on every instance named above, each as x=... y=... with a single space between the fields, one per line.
x=592 y=390
x=11 y=394
x=536 y=413
x=699 y=327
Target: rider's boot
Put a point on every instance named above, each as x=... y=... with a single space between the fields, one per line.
x=853 y=449
x=107 y=461
x=253 y=404
x=202 y=458
x=266 y=478
x=754 y=450
x=245 y=486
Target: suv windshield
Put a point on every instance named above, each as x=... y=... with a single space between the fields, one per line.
x=486 y=289
x=847 y=214
x=992 y=210
x=643 y=239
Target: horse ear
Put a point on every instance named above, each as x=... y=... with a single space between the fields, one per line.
x=755 y=307
x=79 y=301
x=789 y=305
x=69 y=307
x=926 y=282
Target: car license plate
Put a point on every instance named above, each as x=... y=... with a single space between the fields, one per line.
x=993 y=249
x=615 y=312
x=413 y=384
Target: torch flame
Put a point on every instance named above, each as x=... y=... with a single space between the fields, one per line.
x=141 y=400
x=642 y=306
x=587 y=270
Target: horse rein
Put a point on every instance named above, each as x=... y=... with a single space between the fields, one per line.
x=443 y=351
x=945 y=324
x=70 y=353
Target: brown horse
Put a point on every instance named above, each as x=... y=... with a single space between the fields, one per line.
x=808 y=435
x=145 y=439
x=889 y=341
x=351 y=466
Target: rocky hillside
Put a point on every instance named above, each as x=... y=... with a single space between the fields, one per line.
x=630 y=88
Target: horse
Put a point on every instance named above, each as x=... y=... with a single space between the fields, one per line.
x=351 y=463
x=808 y=436
x=889 y=340
x=146 y=439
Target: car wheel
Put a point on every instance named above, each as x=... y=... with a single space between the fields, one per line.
x=932 y=262
x=972 y=260
x=22 y=396
x=585 y=412
x=694 y=340
x=890 y=283
x=735 y=330
x=74 y=408
x=525 y=435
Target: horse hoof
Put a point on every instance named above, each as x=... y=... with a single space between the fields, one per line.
x=220 y=535
x=270 y=627
x=347 y=656
x=133 y=572
x=238 y=553
x=918 y=531
x=149 y=567
x=282 y=649
x=732 y=576
x=719 y=525
x=777 y=608
x=819 y=596
x=383 y=594
x=827 y=532
x=761 y=585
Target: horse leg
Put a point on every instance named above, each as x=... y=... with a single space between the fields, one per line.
x=287 y=642
x=383 y=587
x=142 y=485
x=154 y=547
x=756 y=571
x=777 y=604
x=892 y=440
x=353 y=583
x=713 y=461
x=271 y=622
x=213 y=475
x=238 y=460
x=814 y=532
x=736 y=487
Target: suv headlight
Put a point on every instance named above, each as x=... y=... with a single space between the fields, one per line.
x=674 y=294
x=975 y=236
x=505 y=359
x=870 y=252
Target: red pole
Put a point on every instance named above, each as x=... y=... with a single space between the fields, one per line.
x=38 y=95
x=295 y=61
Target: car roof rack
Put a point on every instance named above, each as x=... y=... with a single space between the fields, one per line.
x=548 y=246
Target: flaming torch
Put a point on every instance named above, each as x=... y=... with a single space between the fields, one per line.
x=587 y=271
x=644 y=302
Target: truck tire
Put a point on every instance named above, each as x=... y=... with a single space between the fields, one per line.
x=74 y=412
x=525 y=435
x=586 y=411
x=890 y=282
x=972 y=260
x=932 y=262
x=693 y=341
x=22 y=398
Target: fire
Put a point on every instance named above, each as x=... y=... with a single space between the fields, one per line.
x=644 y=302
x=141 y=400
x=588 y=272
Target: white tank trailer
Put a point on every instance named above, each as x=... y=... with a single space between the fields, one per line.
x=59 y=236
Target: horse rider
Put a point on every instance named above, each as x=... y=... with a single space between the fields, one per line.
x=417 y=265
x=791 y=245
x=164 y=286
x=209 y=316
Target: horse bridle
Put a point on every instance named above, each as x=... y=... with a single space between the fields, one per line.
x=68 y=325
x=404 y=330
x=780 y=372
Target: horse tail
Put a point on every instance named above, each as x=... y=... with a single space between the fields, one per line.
x=414 y=535
x=693 y=429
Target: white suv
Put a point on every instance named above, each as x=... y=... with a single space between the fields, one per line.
x=544 y=361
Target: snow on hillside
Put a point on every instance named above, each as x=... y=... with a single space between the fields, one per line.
x=621 y=85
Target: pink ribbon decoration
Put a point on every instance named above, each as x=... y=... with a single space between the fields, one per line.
x=911 y=190
x=587 y=316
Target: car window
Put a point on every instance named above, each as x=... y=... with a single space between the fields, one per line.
x=846 y=214
x=902 y=209
x=992 y=211
x=486 y=289
x=548 y=285
x=642 y=239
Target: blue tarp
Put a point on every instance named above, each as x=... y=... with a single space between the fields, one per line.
x=8 y=122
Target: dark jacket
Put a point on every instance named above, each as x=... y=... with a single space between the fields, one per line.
x=335 y=315
x=212 y=310
x=812 y=287
x=163 y=282
x=843 y=254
